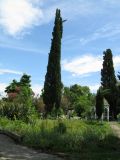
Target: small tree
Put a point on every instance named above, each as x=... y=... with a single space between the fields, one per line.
x=53 y=85
x=79 y=99
x=99 y=103
x=19 y=102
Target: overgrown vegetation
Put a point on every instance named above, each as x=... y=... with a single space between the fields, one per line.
x=59 y=135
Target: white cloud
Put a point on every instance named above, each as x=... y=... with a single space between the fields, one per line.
x=83 y=65
x=28 y=50
x=117 y=61
x=17 y=15
x=2 y=89
x=8 y=71
x=94 y=88
x=86 y=64
x=79 y=8
x=37 y=89
x=106 y=31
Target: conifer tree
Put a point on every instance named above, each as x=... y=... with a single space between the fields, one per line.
x=52 y=84
x=99 y=103
x=108 y=80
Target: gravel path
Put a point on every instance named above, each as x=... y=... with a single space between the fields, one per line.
x=116 y=128
x=10 y=151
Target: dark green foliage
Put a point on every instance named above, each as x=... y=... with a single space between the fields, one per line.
x=108 y=81
x=15 y=86
x=99 y=103
x=25 y=80
x=12 y=87
x=52 y=85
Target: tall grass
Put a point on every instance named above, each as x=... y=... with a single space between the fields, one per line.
x=59 y=135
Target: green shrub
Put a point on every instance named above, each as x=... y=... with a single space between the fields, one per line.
x=18 y=109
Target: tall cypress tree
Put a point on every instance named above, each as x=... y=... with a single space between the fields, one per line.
x=108 y=80
x=52 y=84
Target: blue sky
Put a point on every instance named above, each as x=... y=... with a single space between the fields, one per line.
x=25 y=37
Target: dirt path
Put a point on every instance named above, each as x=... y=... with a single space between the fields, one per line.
x=116 y=128
x=10 y=151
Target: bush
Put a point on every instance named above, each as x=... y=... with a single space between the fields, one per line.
x=16 y=110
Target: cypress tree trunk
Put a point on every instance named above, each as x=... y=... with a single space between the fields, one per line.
x=108 y=81
x=52 y=84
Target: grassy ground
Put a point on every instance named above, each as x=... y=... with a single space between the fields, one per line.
x=85 y=140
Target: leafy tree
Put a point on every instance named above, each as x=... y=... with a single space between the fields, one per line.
x=12 y=87
x=52 y=85
x=82 y=106
x=108 y=80
x=19 y=103
x=79 y=99
x=15 y=88
x=25 y=80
